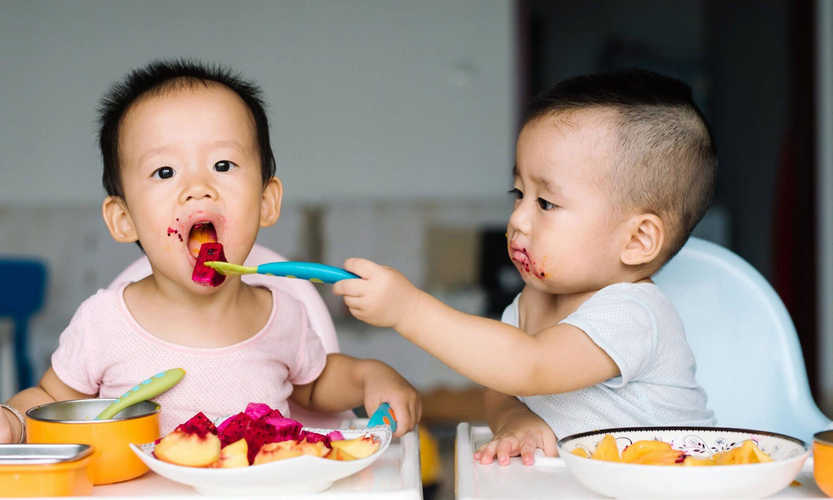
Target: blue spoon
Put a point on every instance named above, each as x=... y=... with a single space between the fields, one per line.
x=317 y=273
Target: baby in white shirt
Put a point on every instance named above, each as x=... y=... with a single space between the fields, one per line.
x=612 y=173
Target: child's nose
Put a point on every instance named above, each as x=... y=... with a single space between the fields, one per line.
x=198 y=187
x=519 y=220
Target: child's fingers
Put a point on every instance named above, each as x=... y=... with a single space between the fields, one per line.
x=487 y=452
x=550 y=445
x=349 y=288
x=362 y=267
x=505 y=449
x=527 y=451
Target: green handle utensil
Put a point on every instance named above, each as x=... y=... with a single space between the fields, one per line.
x=149 y=388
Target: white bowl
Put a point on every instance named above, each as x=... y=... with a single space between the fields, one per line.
x=623 y=480
x=304 y=474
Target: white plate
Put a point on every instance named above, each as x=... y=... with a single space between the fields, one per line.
x=303 y=474
x=622 y=480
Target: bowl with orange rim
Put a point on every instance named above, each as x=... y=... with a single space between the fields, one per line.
x=74 y=422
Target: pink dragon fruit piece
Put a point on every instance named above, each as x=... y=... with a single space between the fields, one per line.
x=233 y=429
x=199 y=424
x=314 y=437
x=257 y=410
x=257 y=434
x=335 y=436
x=203 y=274
x=286 y=428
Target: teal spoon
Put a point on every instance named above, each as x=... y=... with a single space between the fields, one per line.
x=149 y=388
x=383 y=416
x=317 y=273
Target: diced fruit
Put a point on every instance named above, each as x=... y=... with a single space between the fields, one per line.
x=316 y=449
x=314 y=437
x=698 y=462
x=607 y=450
x=336 y=436
x=660 y=457
x=640 y=448
x=340 y=455
x=286 y=429
x=580 y=452
x=204 y=275
x=198 y=424
x=233 y=429
x=360 y=447
x=258 y=434
x=272 y=452
x=257 y=410
x=233 y=456
x=183 y=447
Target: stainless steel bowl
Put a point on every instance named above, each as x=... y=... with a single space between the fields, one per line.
x=85 y=411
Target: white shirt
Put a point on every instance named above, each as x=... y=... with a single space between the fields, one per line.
x=638 y=327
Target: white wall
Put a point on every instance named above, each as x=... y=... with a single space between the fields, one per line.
x=369 y=99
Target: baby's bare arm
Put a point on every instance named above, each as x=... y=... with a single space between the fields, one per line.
x=49 y=389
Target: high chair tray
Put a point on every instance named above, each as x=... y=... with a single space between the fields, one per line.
x=514 y=481
x=395 y=475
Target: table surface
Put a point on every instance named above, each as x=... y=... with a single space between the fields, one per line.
x=475 y=481
x=395 y=476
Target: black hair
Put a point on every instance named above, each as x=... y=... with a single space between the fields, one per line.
x=162 y=76
x=666 y=161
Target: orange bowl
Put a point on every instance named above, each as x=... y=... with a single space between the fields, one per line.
x=45 y=470
x=823 y=461
x=74 y=422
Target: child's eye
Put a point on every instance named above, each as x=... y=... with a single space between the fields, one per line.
x=224 y=166
x=163 y=173
x=545 y=205
x=517 y=193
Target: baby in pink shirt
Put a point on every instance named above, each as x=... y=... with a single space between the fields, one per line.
x=187 y=160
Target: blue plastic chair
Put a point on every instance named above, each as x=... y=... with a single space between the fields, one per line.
x=749 y=359
x=21 y=296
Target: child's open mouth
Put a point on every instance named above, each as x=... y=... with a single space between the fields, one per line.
x=201 y=232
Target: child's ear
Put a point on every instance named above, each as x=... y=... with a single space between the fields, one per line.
x=270 y=202
x=118 y=220
x=646 y=237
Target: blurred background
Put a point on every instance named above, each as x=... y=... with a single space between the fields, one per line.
x=394 y=124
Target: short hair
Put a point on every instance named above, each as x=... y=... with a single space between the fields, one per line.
x=666 y=160
x=167 y=76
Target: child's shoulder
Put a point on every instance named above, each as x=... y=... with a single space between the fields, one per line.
x=647 y=295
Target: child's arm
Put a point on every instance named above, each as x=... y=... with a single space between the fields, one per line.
x=558 y=359
x=49 y=389
x=517 y=431
x=347 y=383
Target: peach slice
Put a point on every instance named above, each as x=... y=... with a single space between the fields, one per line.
x=359 y=447
x=191 y=449
x=273 y=452
x=340 y=455
x=233 y=456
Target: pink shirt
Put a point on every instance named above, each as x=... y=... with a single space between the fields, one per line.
x=104 y=351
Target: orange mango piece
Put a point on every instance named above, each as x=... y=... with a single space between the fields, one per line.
x=607 y=450
x=640 y=448
x=580 y=452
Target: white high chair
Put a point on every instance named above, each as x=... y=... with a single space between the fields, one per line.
x=749 y=359
x=301 y=290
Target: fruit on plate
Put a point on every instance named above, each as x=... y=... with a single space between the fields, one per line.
x=204 y=275
x=193 y=443
x=361 y=447
x=660 y=453
x=256 y=436
x=233 y=456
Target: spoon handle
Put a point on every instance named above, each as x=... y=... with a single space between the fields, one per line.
x=312 y=271
x=383 y=416
x=149 y=388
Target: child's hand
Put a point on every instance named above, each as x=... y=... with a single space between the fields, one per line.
x=382 y=384
x=519 y=436
x=383 y=297
x=5 y=427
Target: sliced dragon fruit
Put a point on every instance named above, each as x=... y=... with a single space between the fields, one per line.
x=335 y=436
x=286 y=429
x=257 y=434
x=257 y=410
x=203 y=274
x=314 y=437
x=233 y=429
x=199 y=424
